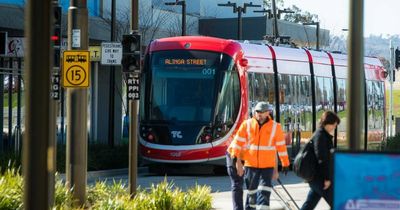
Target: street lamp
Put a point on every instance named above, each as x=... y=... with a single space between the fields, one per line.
x=183 y=4
x=239 y=10
x=317 y=31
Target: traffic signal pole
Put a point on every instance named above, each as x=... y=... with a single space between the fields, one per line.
x=77 y=104
x=133 y=113
x=55 y=87
x=391 y=73
x=37 y=68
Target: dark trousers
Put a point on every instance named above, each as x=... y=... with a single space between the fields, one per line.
x=316 y=192
x=236 y=184
x=259 y=186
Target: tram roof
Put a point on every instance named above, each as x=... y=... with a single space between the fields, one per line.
x=227 y=46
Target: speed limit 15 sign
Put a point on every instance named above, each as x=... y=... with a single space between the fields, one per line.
x=76 y=69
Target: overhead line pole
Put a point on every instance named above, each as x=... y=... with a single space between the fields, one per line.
x=183 y=4
x=355 y=114
x=111 y=100
x=77 y=105
x=239 y=10
x=37 y=124
x=275 y=31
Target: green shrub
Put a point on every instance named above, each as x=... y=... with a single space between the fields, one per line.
x=392 y=143
x=103 y=196
x=11 y=189
x=63 y=198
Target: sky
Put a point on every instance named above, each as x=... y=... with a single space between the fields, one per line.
x=380 y=16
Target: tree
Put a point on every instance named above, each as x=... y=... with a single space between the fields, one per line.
x=151 y=20
x=268 y=3
x=300 y=16
x=175 y=25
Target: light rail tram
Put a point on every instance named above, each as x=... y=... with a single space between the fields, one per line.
x=196 y=91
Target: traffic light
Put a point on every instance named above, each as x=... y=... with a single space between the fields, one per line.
x=56 y=36
x=397 y=58
x=131 y=53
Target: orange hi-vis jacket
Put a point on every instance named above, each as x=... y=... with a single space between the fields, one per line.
x=257 y=146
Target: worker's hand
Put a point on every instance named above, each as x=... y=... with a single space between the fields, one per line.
x=285 y=170
x=239 y=167
x=275 y=174
x=327 y=184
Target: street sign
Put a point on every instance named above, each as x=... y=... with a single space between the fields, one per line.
x=75 y=69
x=111 y=53
x=55 y=86
x=133 y=87
x=95 y=52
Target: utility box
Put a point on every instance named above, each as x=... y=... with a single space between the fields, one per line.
x=397 y=131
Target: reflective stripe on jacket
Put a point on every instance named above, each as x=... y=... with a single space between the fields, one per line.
x=258 y=146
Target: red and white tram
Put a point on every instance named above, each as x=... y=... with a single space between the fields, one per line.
x=196 y=91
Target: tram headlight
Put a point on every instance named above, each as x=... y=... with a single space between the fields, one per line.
x=148 y=134
x=206 y=135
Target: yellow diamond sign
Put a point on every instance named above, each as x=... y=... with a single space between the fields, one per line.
x=76 y=69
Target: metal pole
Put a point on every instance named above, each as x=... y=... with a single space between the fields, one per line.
x=62 y=115
x=111 y=100
x=19 y=86
x=355 y=100
x=183 y=18
x=133 y=114
x=317 y=34
x=10 y=94
x=2 y=148
x=239 y=35
x=37 y=68
x=275 y=28
x=391 y=89
x=77 y=138
x=52 y=158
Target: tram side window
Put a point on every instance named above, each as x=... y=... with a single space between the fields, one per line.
x=295 y=103
x=229 y=99
x=341 y=111
x=375 y=105
x=261 y=88
x=323 y=95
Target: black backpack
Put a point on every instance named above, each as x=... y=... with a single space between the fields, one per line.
x=305 y=163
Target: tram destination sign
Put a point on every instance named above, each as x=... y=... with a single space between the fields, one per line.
x=190 y=61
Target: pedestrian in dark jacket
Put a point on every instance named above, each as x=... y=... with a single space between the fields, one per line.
x=321 y=185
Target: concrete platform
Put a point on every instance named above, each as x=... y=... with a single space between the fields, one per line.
x=296 y=187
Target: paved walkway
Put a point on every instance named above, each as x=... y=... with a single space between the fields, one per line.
x=296 y=187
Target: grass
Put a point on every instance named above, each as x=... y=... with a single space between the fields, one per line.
x=396 y=102
x=14 y=99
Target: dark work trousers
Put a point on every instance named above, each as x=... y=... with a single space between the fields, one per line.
x=236 y=183
x=258 y=183
x=316 y=192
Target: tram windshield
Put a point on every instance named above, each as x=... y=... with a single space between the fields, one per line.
x=181 y=85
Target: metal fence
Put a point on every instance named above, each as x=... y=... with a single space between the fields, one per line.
x=11 y=78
